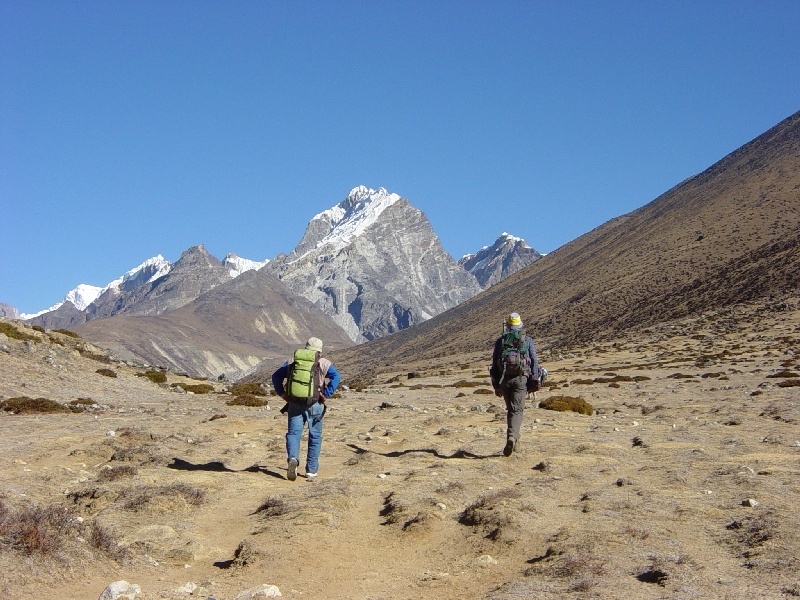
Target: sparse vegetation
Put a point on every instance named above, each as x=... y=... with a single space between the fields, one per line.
x=34 y=529
x=67 y=332
x=15 y=333
x=154 y=376
x=789 y=383
x=247 y=389
x=23 y=404
x=248 y=400
x=567 y=403
x=165 y=497
x=116 y=473
x=463 y=383
x=101 y=358
x=272 y=506
x=195 y=388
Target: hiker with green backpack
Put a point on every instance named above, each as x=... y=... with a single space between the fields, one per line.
x=514 y=372
x=310 y=381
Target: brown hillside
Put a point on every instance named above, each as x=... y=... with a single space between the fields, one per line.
x=228 y=330
x=727 y=235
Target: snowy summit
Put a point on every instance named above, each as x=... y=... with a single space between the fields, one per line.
x=351 y=217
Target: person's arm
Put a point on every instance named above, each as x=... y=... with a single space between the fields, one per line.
x=494 y=375
x=333 y=379
x=278 y=377
x=534 y=360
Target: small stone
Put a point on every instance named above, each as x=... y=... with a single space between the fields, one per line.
x=121 y=590
x=484 y=561
x=188 y=587
x=111 y=433
x=751 y=502
x=262 y=591
x=381 y=475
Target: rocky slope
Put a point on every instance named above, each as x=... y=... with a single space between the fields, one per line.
x=229 y=330
x=492 y=264
x=374 y=264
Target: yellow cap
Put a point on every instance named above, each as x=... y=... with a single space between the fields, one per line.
x=514 y=321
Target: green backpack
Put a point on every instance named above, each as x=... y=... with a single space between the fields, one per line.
x=301 y=374
x=514 y=359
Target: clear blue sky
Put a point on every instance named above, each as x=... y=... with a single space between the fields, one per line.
x=130 y=129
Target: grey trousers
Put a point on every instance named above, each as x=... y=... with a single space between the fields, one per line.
x=514 y=393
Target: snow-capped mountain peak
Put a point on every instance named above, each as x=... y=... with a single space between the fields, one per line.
x=351 y=217
x=237 y=265
x=160 y=266
x=83 y=295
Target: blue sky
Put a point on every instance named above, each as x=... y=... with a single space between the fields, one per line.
x=131 y=129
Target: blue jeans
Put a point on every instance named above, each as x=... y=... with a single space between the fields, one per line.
x=298 y=416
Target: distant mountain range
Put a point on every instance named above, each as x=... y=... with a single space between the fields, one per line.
x=367 y=267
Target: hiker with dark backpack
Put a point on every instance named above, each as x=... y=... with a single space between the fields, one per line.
x=514 y=372
x=310 y=381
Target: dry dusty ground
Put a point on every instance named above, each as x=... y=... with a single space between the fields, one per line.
x=646 y=498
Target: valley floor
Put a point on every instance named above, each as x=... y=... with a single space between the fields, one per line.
x=684 y=483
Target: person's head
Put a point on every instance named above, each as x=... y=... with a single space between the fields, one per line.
x=514 y=322
x=314 y=344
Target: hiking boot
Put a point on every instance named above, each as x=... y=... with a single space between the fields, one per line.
x=311 y=476
x=509 y=447
x=291 y=472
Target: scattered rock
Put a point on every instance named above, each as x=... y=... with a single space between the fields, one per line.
x=120 y=590
x=262 y=591
x=484 y=561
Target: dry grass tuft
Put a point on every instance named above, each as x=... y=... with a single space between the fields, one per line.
x=567 y=403
x=195 y=388
x=116 y=473
x=154 y=376
x=248 y=400
x=16 y=334
x=23 y=404
x=165 y=497
x=272 y=507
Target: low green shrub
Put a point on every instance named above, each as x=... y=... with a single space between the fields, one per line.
x=102 y=358
x=23 y=404
x=195 y=388
x=251 y=389
x=248 y=400
x=15 y=333
x=154 y=376
x=567 y=403
x=67 y=332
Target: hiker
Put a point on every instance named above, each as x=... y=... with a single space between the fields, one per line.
x=310 y=381
x=514 y=372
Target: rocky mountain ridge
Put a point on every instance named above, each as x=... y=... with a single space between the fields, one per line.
x=374 y=264
x=370 y=266
x=492 y=264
